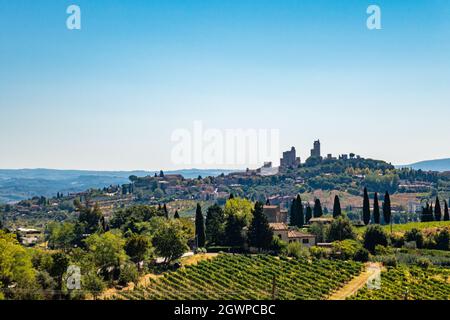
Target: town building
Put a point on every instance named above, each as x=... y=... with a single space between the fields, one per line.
x=284 y=233
x=274 y=214
x=289 y=159
x=267 y=170
x=315 y=151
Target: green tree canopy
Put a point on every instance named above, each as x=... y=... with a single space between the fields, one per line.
x=170 y=240
x=341 y=229
x=107 y=249
x=215 y=225
x=260 y=234
x=374 y=236
x=16 y=268
x=138 y=247
x=241 y=208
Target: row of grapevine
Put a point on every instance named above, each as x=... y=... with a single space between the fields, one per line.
x=237 y=277
x=411 y=283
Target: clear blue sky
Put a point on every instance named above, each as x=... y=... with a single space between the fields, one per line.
x=110 y=95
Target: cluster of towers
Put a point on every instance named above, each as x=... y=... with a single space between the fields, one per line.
x=290 y=158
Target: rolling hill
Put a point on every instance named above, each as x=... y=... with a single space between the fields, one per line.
x=20 y=184
x=440 y=165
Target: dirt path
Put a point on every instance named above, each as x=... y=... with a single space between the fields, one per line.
x=357 y=282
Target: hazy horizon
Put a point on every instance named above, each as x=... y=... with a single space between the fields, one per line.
x=109 y=96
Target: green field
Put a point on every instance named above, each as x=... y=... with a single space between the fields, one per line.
x=412 y=283
x=236 y=277
x=408 y=226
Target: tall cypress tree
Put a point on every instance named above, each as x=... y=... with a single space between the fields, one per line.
x=300 y=213
x=260 y=234
x=387 y=211
x=376 y=209
x=318 y=212
x=366 y=208
x=446 y=216
x=200 y=227
x=437 y=210
x=427 y=213
x=337 y=207
x=293 y=219
x=308 y=215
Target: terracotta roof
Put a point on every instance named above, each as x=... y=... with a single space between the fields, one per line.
x=298 y=234
x=278 y=226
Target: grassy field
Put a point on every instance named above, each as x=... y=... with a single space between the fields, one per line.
x=410 y=283
x=402 y=228
x=260 y=277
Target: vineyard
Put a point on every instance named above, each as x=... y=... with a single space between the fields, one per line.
x=412 y=283
x=402 y=228
x=235 y=277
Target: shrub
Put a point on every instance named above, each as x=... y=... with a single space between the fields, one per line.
x=279 y=246
x=374 y=235
x=93 y=284
x=128 y=273
x=319 y=230
x=382 y=250
x=200 y=250
x=318 y=252
x=390 y=261
x=362 y=255
x=443 y=240
x=424 y=262
x=295 y=249
x=340 y=229
x=397 y=240
x=415 y=235
x=346 y=249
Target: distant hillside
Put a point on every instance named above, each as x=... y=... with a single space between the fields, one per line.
x=16 y=185
x=440 y=165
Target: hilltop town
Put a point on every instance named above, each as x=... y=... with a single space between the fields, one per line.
x=317 y=177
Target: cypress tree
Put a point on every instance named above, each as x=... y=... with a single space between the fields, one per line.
x=260 y=234
x=176 y=215
x=300 y=213
x=423 y=218
x=337 y=207
x=437 y=210
x=293 y=219
x=366 y=208
x=446 y=216
x=427 y=213
x=376 y=209
x=387 y=211
x=308 y=215
x=317 y=209
x=200 y=227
